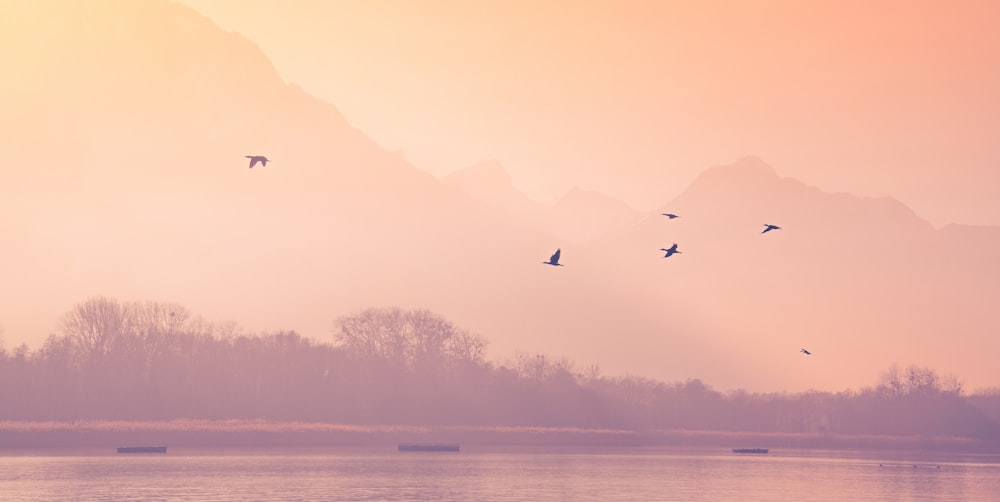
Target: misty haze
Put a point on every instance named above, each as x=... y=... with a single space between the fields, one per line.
x=250 y=224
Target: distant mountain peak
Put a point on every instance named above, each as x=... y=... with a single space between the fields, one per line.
x=750 y=186
x=580 y=198
x=489 y=172
x=745 y=171
x=490 y=183
x=747 y=175
x=752 y=162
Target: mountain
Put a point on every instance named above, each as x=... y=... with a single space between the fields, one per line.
x=128 y=127
x=862 y=282
x=124 y=135
x=489 y=182
x=579 y=216
x=583 y=215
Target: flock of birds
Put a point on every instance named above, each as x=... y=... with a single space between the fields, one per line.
x=554 y=259
x=670 y=251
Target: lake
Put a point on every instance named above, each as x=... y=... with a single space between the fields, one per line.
x=487 y=474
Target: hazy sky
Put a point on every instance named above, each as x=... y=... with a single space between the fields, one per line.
x=128 y=122
x=893 y=98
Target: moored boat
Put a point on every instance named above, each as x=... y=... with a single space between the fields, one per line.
x=142 y=449
x=428 y=446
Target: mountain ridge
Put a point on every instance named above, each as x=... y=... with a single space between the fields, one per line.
x=138 y=189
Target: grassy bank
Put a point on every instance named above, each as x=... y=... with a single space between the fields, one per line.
x=255 y=433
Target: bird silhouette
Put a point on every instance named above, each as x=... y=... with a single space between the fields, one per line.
x=254 y=159
x=670 y=251
x=769 y=227
x=554 y=260
x=670 y=215
x=804 y=351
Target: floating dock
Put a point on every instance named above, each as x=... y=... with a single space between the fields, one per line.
x=142 y=449
x=428 y=446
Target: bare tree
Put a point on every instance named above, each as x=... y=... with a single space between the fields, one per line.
x=951 y=384
x=96 y=326
x=921 y=381
x=467 y=346
x=891 y=381
x=415 y=339
x=917 y=381
x=428 y=337
x=373 y=334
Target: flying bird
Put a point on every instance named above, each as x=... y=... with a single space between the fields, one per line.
x=768 y=227
x=554 y=260
x=804 y=351
x=670 y=251
x=670 y=215
x=254 y=159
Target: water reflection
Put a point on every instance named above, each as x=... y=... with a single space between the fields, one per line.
x=494 y=474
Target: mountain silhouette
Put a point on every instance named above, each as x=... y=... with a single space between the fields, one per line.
x=124 y=138
x=131 y=167
x=129 y=136
x=865 y=278
x=579 y=215
x=489 y=183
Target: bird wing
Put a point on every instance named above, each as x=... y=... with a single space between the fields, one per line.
x=555 y=257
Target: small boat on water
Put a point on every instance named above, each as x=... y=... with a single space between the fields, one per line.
x=750 y=450
x=142 y=449
x=428 y=446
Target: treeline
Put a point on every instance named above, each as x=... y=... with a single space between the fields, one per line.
x=155 y=361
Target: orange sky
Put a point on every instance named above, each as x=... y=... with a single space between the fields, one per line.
x=883 y=99
x=128 y=136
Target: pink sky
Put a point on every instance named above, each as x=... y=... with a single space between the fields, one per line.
x=890 y=98
x=146 y=196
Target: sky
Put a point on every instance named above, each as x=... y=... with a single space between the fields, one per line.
x=635 y=98
x=127 y=124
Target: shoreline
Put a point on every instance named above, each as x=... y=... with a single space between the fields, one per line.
x=260 y=433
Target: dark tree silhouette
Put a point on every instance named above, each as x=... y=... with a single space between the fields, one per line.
x=155 y=361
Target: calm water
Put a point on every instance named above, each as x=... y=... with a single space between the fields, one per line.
x=484 y=475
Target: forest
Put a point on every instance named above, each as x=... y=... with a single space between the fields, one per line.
x=113 y=360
